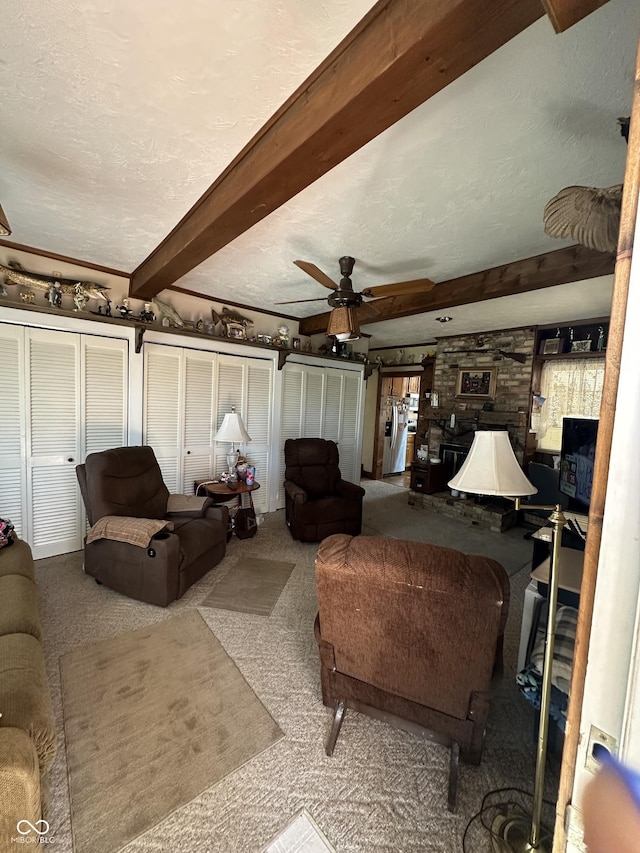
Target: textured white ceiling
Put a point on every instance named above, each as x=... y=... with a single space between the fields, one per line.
x=117 y=116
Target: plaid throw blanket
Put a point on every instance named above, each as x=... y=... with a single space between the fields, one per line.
x=529 y=680
x=135 y=531
x=187 y=503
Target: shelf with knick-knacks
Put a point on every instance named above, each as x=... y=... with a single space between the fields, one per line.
x=580 y=339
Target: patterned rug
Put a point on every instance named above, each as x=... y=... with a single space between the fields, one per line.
x=250 y=586
x=152 y=718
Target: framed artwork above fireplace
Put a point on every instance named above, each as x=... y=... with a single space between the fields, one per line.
x=476 y=383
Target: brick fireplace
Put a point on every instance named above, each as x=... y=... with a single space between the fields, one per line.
x=502 y=403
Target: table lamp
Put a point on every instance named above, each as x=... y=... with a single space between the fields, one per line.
x=491 y=468
x=232 y=430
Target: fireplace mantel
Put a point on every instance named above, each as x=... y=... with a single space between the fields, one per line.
x=518 y=419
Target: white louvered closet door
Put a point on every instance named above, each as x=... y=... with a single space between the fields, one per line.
x=197 y=454
x=105 y=392
x=350 y=428
x=231 y=384
x=246 y=383
x=163 y=403
x=13 y=495
x=290 y=415
x=322 y=403
x=54 y=444
x=258 y=423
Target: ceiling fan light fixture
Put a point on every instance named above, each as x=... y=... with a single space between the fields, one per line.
x=343 y=325
x=5 y=228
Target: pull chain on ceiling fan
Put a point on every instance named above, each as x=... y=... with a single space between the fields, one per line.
x=344 y=300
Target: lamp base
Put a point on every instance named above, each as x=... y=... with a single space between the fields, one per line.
x=511 y=833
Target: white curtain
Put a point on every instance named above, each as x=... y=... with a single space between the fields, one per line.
x=571 y=387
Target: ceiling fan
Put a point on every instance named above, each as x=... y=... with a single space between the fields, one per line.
x=344 y=296
x=343 y=323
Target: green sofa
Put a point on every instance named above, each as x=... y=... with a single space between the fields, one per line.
x=27 y=724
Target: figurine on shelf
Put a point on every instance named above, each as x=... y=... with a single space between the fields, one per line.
x=125 y=309
x=283 y=336
x=79 y=297
x=147 y=315
x=600 y=341
x=55 y=295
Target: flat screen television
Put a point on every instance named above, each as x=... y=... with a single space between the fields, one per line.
x=576 y=460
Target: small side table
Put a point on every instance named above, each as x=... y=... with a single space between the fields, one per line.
x=221 y=493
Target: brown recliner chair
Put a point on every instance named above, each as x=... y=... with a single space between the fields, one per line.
x=318 y=502
x=411 y=633
x=127 y=483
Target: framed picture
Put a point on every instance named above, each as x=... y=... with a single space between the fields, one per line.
x=581 y=346
x=476 y=383
x=236 y=330
x=295 y=342
x=551 y=346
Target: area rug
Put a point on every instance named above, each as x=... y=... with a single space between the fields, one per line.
x=301 y=835
x=250 y=586
x=152 y=718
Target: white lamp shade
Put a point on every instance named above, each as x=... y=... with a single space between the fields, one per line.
x=232 y=429
x=491 y=468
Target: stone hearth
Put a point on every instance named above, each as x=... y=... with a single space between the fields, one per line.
x=493 y=515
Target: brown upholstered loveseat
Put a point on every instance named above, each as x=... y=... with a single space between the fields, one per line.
x=27 y=724
x=411 y=632
x=125 y=486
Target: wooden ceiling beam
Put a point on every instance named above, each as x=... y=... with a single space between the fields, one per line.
x=566 y=13
x=573 y=263
x=399 y=55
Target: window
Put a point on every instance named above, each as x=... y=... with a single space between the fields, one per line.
x=570 y=387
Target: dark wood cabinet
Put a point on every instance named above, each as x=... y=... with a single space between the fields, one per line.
x=428 y=478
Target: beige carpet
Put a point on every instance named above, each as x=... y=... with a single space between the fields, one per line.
x=383 y=791
x=162 y=711
x=251 y=586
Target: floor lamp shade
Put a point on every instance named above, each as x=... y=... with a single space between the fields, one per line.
x=491 y=468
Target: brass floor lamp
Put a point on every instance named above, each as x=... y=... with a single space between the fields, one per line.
x=491 y=468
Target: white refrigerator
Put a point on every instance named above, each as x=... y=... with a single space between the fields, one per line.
x=394 y=453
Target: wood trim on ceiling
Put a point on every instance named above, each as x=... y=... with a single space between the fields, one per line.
x=566 y=13
x=19 y=247
x=572 y=263
x=398 y=56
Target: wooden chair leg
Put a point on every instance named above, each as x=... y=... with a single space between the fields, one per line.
x=454 y=763
x=338 y=717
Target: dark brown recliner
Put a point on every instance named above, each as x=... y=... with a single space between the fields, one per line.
x=411 y=633
x=318 y=502
x=127 y=482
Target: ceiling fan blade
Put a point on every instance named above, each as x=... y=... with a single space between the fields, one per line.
x=419 y=285
x=316 y=272
x=294 y=301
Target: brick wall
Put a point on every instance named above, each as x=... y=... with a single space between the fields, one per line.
x=512 y=387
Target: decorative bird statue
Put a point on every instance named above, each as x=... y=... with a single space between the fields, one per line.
x=588 y=215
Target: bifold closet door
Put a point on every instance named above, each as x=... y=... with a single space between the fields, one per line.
x=178 y=413
x=76 y=404
x=322 y=403
x=13 y=454
x=247 y=383
x=54 y=446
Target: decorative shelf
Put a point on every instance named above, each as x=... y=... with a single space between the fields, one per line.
x=477 y=415
x=572 y=355
x=141 y=328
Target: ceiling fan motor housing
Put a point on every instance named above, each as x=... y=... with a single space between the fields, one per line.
x=344 y=295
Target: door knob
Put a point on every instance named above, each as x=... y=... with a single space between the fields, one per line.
x=70 y=459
